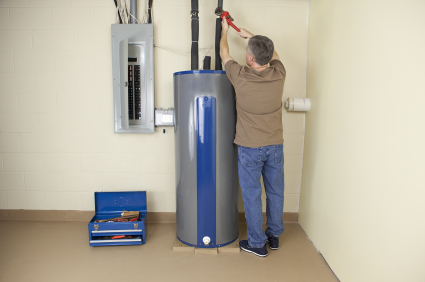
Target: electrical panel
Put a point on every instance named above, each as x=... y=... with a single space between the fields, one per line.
x=133 y=77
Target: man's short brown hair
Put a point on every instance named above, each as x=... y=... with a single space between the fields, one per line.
x=262 y=48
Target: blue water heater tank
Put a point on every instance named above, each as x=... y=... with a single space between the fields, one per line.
x=206 y=158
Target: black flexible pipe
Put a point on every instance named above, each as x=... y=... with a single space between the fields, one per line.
x=149 y=11
x=218 y=65
x=207 y=63
x=119 y=17
x=195 y=36
x=194 y=58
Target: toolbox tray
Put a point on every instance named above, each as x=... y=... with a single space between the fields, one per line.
x=110 y=205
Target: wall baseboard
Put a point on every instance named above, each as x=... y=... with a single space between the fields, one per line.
x=86 y=216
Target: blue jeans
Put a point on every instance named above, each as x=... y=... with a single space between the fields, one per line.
x=252 y=163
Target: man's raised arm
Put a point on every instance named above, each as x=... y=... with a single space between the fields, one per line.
x=245 y=34
x=224 y=46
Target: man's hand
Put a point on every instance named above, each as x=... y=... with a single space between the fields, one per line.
x=244 y=33
x=224 y=25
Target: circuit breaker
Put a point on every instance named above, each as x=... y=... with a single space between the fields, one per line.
x=133 y=77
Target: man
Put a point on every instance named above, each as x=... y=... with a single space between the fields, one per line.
x=259 y=134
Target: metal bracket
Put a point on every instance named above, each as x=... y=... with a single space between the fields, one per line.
x=194 y=14
x=136 y=225
x=96 y=226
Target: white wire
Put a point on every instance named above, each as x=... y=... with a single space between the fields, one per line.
x=123 y=7
x=145 y=13
x=119 y=12
x=179 y=51
x=133 y=17
x=144 y=17
x=122 y=10
x=125 y=10
x=170 y=49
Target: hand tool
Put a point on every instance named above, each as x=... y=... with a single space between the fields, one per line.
x=224 y=14
x=126 y=216
x=120 y=220
x=128 y=213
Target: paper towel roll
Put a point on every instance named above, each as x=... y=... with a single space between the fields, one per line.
x=298 y=104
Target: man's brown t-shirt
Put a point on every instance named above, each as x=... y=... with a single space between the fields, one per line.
x=258 y=103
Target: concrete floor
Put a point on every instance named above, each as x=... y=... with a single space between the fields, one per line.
x=60 y=251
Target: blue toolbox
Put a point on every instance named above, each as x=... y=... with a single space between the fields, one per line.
x=110 y=205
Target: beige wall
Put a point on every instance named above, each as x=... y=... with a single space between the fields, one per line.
x=57 y=144
x=362 y=199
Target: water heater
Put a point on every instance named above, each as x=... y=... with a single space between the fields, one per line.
x=206 y=158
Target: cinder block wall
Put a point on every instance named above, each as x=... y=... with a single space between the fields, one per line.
x=57 y=144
